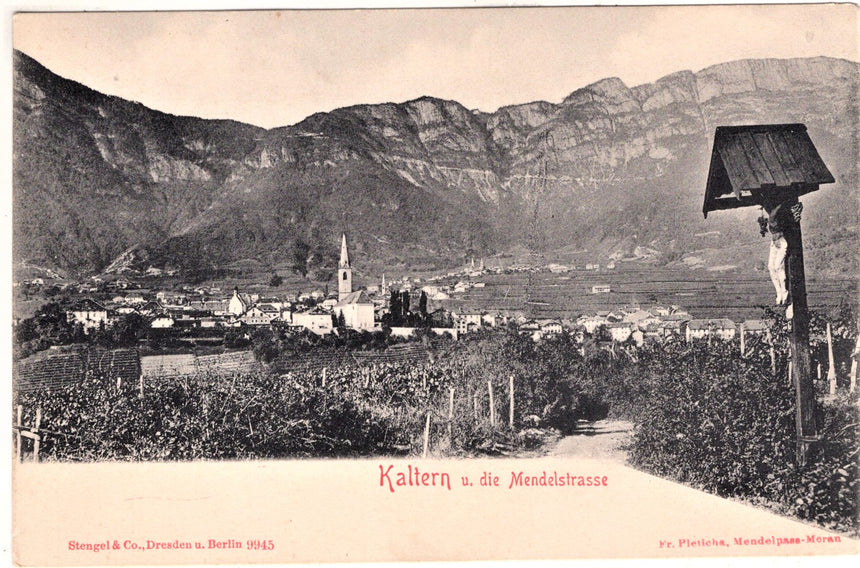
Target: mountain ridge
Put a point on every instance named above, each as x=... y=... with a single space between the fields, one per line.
x=439 y=180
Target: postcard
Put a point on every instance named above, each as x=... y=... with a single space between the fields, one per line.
x=460 y=284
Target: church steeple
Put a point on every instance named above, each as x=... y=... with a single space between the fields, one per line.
x=344 y=254
x=344 y=272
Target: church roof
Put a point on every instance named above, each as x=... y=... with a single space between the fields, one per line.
x=358 y=297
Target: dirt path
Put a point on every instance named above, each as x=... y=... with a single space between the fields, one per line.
x=602 y=439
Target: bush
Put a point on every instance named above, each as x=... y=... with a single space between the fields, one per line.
x=726 y=425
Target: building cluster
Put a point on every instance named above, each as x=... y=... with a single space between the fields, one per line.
x=174 y=310
x=364 y=310
x=660 y=323
x=627 y=324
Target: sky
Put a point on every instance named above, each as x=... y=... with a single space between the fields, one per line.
x=274 y=68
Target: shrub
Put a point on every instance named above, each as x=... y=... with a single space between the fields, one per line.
x=726 y=425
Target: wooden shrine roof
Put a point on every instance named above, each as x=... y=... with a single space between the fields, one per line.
x=747 y=161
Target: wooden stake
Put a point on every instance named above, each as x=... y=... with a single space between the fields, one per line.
x=743 y=341
x=854 y=357
x=38 y=438
x=323 y=377
x=772 y=354
x=140 y=386
x=789 y=372
x=831 y=371
x=819 y=371
x=492 y=406
x=450 y=412
x=426 y=435
x=511 y=409
x=18 y=432
x=475 y=405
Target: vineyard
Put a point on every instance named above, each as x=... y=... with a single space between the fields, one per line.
x=706 y=415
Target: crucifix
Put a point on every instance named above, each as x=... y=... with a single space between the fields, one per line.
x=771 y=166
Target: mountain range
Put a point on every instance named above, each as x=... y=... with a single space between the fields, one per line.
x=101 y=182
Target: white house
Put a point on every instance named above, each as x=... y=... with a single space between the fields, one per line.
x=162 y=322
x=88 y=313
x=550 y=326
x=465 y=322
x=315 y=320
x=591 y=323
x=721 y=328
x=620 y=331
x=261 y=314
x=239 y=303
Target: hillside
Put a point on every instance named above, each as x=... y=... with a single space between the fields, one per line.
x=425 y=182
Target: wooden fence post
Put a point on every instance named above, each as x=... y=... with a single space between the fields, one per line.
x=790 y=381
x=831 y=371
x=492 y=406
x=18 y=432
x=37 y=439
x=772 y=354
x=450 y=413
x=140 y=386
x=743 y=341
x=511 y=409
x=323 y=377
x=475 y=405
x=854 y=355
x=853 y=384
x=426 y=435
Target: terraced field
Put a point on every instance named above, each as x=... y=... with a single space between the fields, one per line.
x=737 y=296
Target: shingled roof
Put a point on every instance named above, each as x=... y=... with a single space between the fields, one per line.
x=747 y=161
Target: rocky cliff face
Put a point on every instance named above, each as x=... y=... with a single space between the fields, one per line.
x=95 y=175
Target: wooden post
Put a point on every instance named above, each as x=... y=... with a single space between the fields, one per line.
x=819 y=371
x=772 y=354
x=799 y=339
x=492 y=406
x=475 y=405
x=140 y=386
x=743 y=341
x=37 y=439
x=853 y=384
x=854 y=357
x=450 y=413
x=323 y=377
x=511 y=409
x=831 y=371
x=789 y=378
x=18 y=432
x=426 y=435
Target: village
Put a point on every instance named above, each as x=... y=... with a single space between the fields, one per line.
x=403 y=306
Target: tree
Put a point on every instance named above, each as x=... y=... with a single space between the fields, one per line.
x=395 y=308
x=404 y=301
x=276 y=280
x=301 y=255
x=126 y=331
x=422 y=306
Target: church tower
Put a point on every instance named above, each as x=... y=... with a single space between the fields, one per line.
x=344 y=272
